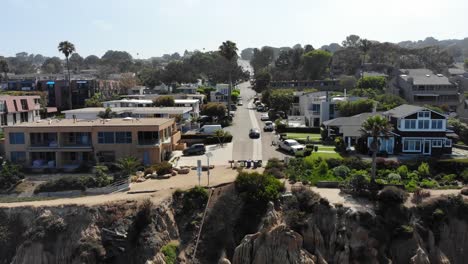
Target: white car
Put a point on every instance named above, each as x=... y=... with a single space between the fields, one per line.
x=291 y=146
x=269 y=126
x=264 y=117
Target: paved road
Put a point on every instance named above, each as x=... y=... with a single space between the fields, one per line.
x=246 y=118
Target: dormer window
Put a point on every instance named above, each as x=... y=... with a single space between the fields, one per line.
x=424 y=114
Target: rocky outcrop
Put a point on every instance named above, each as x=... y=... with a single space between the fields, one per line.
x=279 y=245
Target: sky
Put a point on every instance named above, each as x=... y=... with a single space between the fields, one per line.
x=147 y=28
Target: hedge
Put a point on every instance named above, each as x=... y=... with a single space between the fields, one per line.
x=299 y=130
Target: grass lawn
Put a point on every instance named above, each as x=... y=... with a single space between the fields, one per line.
x=303 y=136
x=325 y=155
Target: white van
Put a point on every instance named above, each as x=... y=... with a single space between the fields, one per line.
x=209 y=129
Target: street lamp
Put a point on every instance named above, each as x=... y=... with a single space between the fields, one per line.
x=208 y=156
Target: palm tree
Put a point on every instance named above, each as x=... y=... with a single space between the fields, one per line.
x=128 y=166
x=229 y=51
x=67 y=48
x=375 y=127
x=4 y=68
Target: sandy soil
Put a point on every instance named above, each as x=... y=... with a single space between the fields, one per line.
x=156 y=190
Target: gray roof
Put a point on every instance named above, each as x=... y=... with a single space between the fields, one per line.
x=456 y=71
x=424 y=77
x=404 y=110
x=355 y=120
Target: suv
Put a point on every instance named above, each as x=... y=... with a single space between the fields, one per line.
x=291 y=146
x=269 y=126
x=195 y=149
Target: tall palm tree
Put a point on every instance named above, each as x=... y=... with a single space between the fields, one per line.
x=375 y=127
x=67 y=48
x=4 y=68
x=229 y=51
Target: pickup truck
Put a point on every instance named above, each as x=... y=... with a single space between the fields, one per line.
x=290 y=145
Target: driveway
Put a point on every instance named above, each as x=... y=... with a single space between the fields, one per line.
x=220 y=156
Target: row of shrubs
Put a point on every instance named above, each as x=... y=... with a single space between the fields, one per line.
x=356 y=172
x=67 y=184
x=160 y=168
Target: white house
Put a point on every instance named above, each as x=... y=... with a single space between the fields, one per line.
x=91 y=113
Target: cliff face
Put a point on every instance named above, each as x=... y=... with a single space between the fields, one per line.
x=339 y=235
x=119 y=233
x=305 y=229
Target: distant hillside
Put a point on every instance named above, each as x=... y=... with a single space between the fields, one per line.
x=457 y=48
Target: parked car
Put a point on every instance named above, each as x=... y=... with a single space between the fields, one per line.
x=269 y=126
x=291 y=146
x=195 y=149
x=205 y=119
x=260 y=108
x=264 y=117
x=209 y=129
x=233 y=107
x=254 y=133
x=240 y=103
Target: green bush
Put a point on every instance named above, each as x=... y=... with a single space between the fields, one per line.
x=170 y=252
x=162 y=168
x=430 y=184
x=423 y=170
x=67 y=184
x=299 y=154
x=402 y=171
x=464 y=176
x=194 y=198
x=392 y=195
x=275 y=163
x=275 y=172
x=394 y=178
x=449 y=178
x=258 y=188
x=341 y=171
x=411 y=186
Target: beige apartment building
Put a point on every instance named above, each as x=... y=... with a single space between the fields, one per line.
x=68 y=143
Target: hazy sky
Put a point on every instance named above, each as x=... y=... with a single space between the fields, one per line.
x=155 y=27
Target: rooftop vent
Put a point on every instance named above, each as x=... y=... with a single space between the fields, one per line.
x=428 y=75
x=440 y=75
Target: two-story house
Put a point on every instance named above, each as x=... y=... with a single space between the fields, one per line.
x=416 y=130
x=318 y=107
x=419 y=130
x=423 y=87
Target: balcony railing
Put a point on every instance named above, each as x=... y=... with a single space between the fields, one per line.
x=148 y=142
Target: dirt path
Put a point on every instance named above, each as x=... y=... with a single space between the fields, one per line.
x=156 y=190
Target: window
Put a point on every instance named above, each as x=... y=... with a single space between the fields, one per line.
x=412 y=145
x=16 y=138
x=316 y=108
x=148 y=138
x=410 y=124
x=123 y=137
x=106 y=156
x=18 y=156
x=423 y=124
x=437 y=124
x=448 y=143
x=437 y=143
x=424 y=114
x=24 y=104
x=106 y=138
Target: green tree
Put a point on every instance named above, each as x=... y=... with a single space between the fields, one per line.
x=10 y=174
x=316 y=63
x=52 y=65
x=281 y=99
x=127 y=166
x=94 y=101
x=374 y=82
x=76 y=62
x=388 y=101
x=262 y=81
x=349 y=108
x=258 y=189
x=229 y=51
x=466 y=64
x=92 y=61
x=108 y=113
x=67 y=48
x=423 y=170
x=364 y=45
x=164 y=101
x=352 y=41
x=213 y=109
x=4 y=68
x=221 y=135
x=375 y=127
